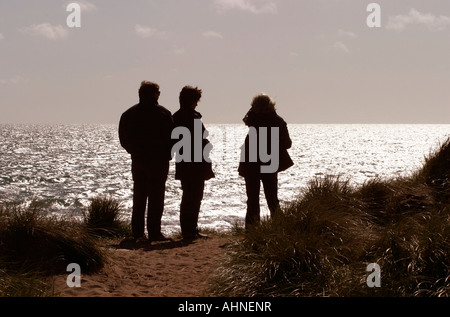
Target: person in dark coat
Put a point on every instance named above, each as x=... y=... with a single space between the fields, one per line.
x=268 y=134
x=145 y=132
x=193 y=167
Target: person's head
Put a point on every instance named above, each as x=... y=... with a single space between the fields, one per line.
x=190 y=96
x=262 y=103
x=149 y=92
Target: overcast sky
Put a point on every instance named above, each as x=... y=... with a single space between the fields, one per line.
x=317 y=58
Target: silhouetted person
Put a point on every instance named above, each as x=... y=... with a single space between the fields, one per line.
x=262 y=116
x=195 y=167
x=145 y=132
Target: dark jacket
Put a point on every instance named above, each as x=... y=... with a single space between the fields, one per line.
x=248 y=168
x=185 y=117
x=145 y=132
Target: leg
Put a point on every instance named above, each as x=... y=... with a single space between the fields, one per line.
x=270 y=183
x=190 y=206
x=156 y=195
x=252 y=186
x=156 y=185
x=139 y=206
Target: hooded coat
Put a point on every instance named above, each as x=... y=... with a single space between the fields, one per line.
x=251 y=168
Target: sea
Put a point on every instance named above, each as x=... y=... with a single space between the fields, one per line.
x=64 y=166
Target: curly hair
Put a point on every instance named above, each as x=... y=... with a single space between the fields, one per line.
x=262 y=103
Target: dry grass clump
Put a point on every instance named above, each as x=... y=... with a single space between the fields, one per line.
x=321 y=244
x=34 y=240
x=35 y=243
x=103 y=217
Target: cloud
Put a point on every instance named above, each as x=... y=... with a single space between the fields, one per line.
x=86 y=6
x=179 y=51
x=348 y=34
x=1 y=36
x=47 y=30
x=12 y=80
x=414 y=17
x=212 y=35
x=339 y=46
x=252 y=6
x=147 y=32
x=339 y=41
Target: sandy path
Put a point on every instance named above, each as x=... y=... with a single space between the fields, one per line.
x=163 y=269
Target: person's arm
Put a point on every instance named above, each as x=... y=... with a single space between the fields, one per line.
x=285 y=139
x=124 y=133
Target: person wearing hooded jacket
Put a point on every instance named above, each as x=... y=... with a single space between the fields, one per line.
x=263 y=115
x=192 y=172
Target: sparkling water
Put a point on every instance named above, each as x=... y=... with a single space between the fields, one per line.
x=63 y=166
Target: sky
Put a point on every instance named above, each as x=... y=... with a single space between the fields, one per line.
x=318 y=59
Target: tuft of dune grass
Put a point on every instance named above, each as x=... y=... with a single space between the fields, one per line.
x=103 y=217
x=321 y=244
x=33 y=240
x=34 y=243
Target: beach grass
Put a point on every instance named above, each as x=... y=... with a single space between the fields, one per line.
x=322 y=243
x=23 y=284
x=35 y=243
x=103 y=217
